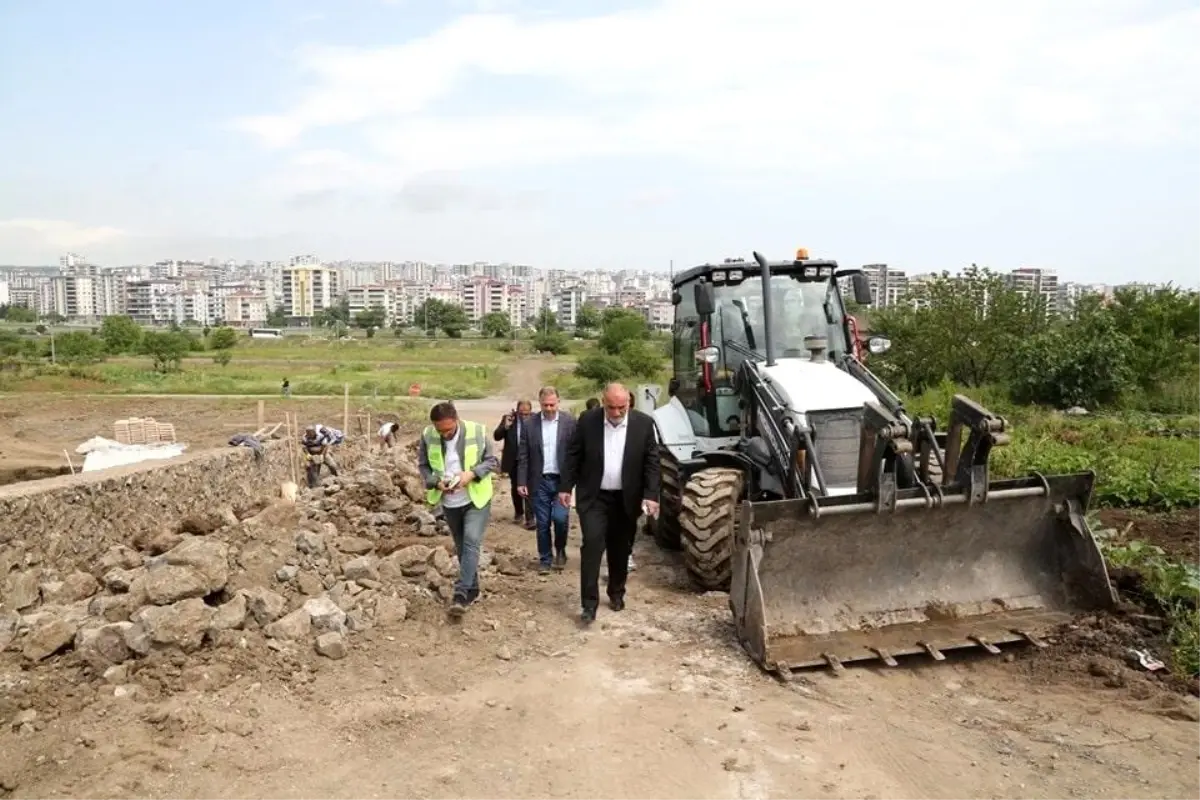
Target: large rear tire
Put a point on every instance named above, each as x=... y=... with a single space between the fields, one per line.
x=707 y=522
x=665 y=529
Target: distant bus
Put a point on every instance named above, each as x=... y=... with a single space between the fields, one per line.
x=266 y=333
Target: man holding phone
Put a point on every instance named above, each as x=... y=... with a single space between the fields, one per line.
x=512 y=431
x=456 y=462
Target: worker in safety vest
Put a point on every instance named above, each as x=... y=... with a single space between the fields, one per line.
x=456 y=461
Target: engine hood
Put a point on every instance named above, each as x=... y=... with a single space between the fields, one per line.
x=816 y=386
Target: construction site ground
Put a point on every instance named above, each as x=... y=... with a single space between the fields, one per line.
x=517 y=701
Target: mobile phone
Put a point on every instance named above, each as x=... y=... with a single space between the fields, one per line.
x=452 y=483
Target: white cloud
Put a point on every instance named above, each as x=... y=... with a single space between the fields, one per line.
x=59 y=233
x=936 y=89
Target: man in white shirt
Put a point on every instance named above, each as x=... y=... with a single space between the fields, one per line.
x=612 y=465
x=539 y=469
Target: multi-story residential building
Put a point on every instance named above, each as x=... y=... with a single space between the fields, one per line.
x=569 y=302
x=151 y=302
x=483 y=296
x=308 y=290
x=888 y=285
x=5 y=296
x=73 y=298
x=244 y=310
x=1037 y=282
x=660 y=315
x=364 y=298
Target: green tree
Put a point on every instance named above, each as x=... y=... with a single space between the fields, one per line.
x=167 y=348
x=334 y=315
x=1164 y=327
x=78 y=347
x=19 y=314
x=600 y=368
x=587 y=318
x=641 y=359
x=1086 y=363
x=277 y=317
x=555 y=342
x=223 y=339
x=966 y=327
x=434 y=315
x=620 y=325
x=544 y=321
x=121 y=335
x=371 y=320
x=495 y=325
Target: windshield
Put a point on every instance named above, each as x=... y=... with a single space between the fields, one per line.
x=797 y=309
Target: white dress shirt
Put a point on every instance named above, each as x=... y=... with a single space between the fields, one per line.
x=458 y=497
x=550 y=445
x=614 y=453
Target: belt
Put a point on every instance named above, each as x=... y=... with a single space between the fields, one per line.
x=550 y=475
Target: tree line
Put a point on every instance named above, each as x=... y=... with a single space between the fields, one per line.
x=1138 y=350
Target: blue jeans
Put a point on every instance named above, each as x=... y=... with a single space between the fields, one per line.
x=467 y=525
x=547 y=509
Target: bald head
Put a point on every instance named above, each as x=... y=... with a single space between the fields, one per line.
x=616 y=402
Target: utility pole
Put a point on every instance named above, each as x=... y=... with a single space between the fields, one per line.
x=52 y=354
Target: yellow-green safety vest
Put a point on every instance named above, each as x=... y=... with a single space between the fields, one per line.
x=480 y=491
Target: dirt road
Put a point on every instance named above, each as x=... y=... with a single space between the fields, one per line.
x=656 y=701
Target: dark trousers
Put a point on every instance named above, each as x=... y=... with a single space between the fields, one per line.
x=549 y=513
x=607 y=527
x=518 y=501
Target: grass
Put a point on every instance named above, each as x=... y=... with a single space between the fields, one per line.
x=453 y=380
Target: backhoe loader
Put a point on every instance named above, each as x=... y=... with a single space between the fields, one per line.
x=843 y=528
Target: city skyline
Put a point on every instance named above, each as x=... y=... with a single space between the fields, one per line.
x=607 y=135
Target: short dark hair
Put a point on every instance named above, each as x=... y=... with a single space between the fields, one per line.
x=442 y=411
x=592 y=402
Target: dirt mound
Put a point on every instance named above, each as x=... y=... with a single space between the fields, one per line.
x=1176 y=532
x=265 y=589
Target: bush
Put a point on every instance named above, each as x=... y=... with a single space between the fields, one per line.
x=553 y=342
x=1083 y=364
x=642 y=360
x=601 y=368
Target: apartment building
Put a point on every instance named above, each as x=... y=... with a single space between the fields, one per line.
x=151 y=302
x=72 y=297
x=569 y=302
x=660 y=315
x=5 y=296
x=1037 y=282
x=244 y=310
x=483 y=296
x=364 y=298
x=308 y=290
x=888 y=285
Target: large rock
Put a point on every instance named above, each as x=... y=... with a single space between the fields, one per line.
x=120 y=557
x=77 y=586
x=114 y=607
x=295 y=625
x=310 y=542
x=325 y=614
x=163 y=584
x=264 y=605
x=119 y=580
x=230 y=615
x=407 y=561
x=354 y=545
x=331 y=645
x=208 y=557
x=361 y=567
x=443 y=562
x=181 y=624
x=21 y=590
x=48 y=637
x=104 y=646
x=9 y=622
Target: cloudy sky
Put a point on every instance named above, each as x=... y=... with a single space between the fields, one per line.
x=579 y=134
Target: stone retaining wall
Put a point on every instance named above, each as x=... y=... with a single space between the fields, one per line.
x=68 y=522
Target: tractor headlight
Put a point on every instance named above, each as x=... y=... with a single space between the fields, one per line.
x=879 y=344
x=708 y=355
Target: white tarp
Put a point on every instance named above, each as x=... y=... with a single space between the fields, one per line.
x=101 y=453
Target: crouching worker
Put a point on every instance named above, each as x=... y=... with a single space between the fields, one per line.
x=316 y=443
x=456 y=461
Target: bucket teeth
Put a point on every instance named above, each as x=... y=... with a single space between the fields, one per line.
x=936 y=654
x=985 y=644
x=1033 y=640
x=887 y=657
x=834 y=662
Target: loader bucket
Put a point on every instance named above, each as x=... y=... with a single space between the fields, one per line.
x=850 y=583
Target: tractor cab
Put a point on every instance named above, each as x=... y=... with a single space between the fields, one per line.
x=723 y=317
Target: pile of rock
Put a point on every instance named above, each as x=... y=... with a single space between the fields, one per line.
x=360 y=554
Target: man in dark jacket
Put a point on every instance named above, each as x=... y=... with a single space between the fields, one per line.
x=543 y=453
x=512 y=431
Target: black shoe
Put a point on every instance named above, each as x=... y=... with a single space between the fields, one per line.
x=587 y=616
x=543 y=569
x=472 y=596
x=530 y=525
x=616 y=603
x=458 y=608
x=560 y=559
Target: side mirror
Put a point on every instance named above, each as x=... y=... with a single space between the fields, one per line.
x=676 y=298
x=879 y=344
x=704 y=299
x=862 y=289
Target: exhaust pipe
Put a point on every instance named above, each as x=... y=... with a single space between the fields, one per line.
x=768 y=338
x=817 y=347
